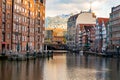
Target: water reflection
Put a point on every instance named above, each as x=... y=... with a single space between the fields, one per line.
x=55 y=69
x=62 y=67
x=30 y=70
x=93 y=68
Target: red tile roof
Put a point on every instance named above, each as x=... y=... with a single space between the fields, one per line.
x=101 y=20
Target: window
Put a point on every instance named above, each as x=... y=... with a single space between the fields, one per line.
x=8 y=15
x=14 y=17
x=23 y=10
x=18 y=1
x=4 y=1
x=22 y=38
x=14 y=36
x=33 y=13
x=15 y=7
x=8 y=36
x=19 y=18
x=8 y=46
x=22 y=28
x=30 y=38
x=38 y=37
x=22 y=19
x=19 y=28
x=38 y=22
x=29 y=4
x=33 y=30
x=19 y=37
x=32 y=21
x=3 y=5
x=25 y=38
x=3 y=26
x=3 y=17
x=38 y=29
x=8 y=25
x=25 y=28
x=25 y=19
x=3 y=37
x=43 y=24
x=8 y=6
x=38 y=14
x=18 y=8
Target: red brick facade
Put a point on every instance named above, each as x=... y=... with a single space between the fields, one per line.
x=5 y=24
x=0 y=24
x=21 y=23
x=40 y=25
x=87 y=35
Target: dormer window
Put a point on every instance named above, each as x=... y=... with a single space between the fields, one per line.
x=41 y=1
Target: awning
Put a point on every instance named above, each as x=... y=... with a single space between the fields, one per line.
x=4 y=43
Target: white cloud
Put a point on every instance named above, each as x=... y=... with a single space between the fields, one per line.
x=100 y=7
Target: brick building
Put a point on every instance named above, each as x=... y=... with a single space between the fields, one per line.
x=39 y=24
x=22 y=24
x=5 y=24
x=101 y=34
x=0 y=24
x=85 y=30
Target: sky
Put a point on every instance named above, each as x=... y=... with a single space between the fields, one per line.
x=101 y=8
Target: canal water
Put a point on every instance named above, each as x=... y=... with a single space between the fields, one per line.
x=62 y=67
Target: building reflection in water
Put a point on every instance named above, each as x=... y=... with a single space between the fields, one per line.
x=79 y=68
x=92 y=68
x=24 y=70
x=62 y=67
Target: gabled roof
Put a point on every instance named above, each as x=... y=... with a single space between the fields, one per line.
x=73 y=17
x=102 y=20
x=116 y=6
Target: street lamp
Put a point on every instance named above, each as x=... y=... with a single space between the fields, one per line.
x=118 y=50
x=27 y=49
x=18 y=47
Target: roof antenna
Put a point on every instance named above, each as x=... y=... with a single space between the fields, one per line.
x=90 y=10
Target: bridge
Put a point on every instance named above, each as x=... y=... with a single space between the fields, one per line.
x=55 y=46
x=60 y=51
x=57 y=51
